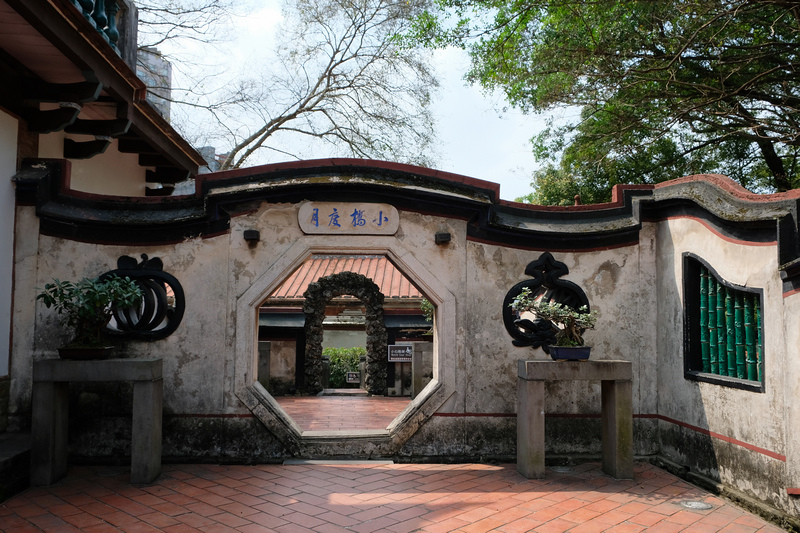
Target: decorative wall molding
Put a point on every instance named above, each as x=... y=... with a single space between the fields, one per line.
x=715 y=200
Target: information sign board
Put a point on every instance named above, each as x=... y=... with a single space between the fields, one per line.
x=400 y=353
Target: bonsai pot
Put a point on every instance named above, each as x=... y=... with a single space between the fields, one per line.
x=85 y=353
x=569 y=353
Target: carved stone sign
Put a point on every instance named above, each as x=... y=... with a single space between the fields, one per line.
x=348 y=218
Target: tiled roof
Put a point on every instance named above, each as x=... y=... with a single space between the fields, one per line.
x=392 y=283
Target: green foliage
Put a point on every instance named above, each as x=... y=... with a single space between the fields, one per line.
x=88 y=304
x=427 y=309
x=666 y=89
x=569 y=322
x=342 y=360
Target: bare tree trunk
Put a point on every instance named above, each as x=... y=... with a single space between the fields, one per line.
x=780 y=180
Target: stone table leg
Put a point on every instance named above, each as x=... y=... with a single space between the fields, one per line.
x=530 y=428
x=146 y=431
x=49 y=432
x=617 y=429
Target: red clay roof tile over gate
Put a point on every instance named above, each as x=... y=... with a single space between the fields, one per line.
x=392 y=283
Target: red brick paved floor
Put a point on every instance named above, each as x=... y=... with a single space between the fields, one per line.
x=334 y=413
x=369 y=498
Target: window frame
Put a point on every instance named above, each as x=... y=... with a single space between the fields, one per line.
x=692 y=358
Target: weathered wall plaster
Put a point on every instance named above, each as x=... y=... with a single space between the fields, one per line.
x=8 y=165
x=753 y=423
x=216 y=409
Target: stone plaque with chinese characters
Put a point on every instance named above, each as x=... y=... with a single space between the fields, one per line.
x=348 y=218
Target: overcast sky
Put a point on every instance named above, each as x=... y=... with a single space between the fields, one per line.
x=476 y=137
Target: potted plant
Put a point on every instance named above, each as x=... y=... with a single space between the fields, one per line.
x=88 y=306
x=565 y=322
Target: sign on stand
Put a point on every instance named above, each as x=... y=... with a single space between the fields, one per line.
x=400 y=353
x=353 y=377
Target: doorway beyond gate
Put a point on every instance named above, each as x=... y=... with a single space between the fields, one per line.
x=443 y=347
x=342 y=413
x=331 y=300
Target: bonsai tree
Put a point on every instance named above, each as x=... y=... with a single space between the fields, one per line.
x=567 y=323
x=89 y=304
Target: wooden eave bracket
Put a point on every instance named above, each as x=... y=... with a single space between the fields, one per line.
x=108 y=128
x=52 y=120
x=29 y=93
x=167 y=175
x=37 y=91
x=86 y=149
x=128 y=145
x=67 y=29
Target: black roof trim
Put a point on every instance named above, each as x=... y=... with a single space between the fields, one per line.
x=715 y=202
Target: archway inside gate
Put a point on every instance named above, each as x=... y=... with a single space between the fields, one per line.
x=317 y=297
x=317 y=320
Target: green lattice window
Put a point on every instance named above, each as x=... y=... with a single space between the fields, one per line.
x=723 y=329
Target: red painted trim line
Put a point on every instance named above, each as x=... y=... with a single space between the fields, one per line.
x=364 y=164
x=189 y=415
x=724 y=438
x=560 y=250
x=733 y=188
x=793 y=491
x=617 y=200
x=481 y=415
x=791 y=293
x=700 y=430
x=710 y=228
x=217 y=234
x=131 y=244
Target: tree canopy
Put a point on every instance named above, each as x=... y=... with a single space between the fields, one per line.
x=337 y=78
x=664 y=88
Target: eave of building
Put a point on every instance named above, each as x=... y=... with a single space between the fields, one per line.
x=54 y=42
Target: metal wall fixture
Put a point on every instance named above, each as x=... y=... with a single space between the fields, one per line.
x=252 y=236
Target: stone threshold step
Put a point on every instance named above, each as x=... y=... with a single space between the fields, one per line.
x=343 y=392
x=337 y=462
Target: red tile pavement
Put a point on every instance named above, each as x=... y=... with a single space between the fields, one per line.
x=337 y=413
x=336 y=497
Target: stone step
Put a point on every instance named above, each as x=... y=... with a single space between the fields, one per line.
x=343 y=392
x=15 y=463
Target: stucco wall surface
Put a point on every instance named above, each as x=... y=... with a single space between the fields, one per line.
x=620 y=285
x=8 y=165
x=747 y=429
x=215 y=408
x=195 y=356
x=791 y=406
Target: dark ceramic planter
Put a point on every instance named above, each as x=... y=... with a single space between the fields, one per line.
x=86 y=354
x=570 y=353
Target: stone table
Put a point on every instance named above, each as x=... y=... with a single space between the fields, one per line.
x=51 y=379
x=617 y=411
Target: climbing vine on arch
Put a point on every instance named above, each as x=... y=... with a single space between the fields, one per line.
x=317 y=296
